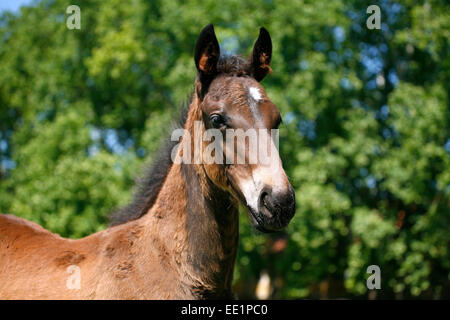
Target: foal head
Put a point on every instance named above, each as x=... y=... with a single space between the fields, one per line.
x=233 y=102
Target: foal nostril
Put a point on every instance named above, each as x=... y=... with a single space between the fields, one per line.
x=279 y=205
x=276 y=208
x=265 y=199
x=265 y=204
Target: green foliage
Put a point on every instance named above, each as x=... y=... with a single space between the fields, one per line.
x=365 y=138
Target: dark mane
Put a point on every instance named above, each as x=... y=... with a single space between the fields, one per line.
x=152 y=182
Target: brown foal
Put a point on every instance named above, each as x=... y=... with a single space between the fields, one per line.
x=179 y=238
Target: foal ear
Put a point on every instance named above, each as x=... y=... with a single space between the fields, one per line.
x=261 y=56
x=207 y=51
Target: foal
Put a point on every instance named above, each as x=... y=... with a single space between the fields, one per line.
x=179 y=238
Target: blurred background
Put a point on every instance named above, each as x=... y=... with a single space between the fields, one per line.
x=365 y=138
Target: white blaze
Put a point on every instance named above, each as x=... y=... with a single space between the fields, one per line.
x=268 y=172
x=255 y=94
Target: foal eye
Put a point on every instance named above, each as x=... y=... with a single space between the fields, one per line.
x=216 y=121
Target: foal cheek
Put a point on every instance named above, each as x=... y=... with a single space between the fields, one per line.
x=217 y=175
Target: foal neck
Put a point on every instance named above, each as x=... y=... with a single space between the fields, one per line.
x=211 y=224
x=212 y=234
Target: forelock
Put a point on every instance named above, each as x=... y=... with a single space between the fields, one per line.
x=233 y=65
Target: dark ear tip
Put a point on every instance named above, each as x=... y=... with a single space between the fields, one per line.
x=209 y=28
x=263 y=32
x=207 y=46
x=207 y=34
